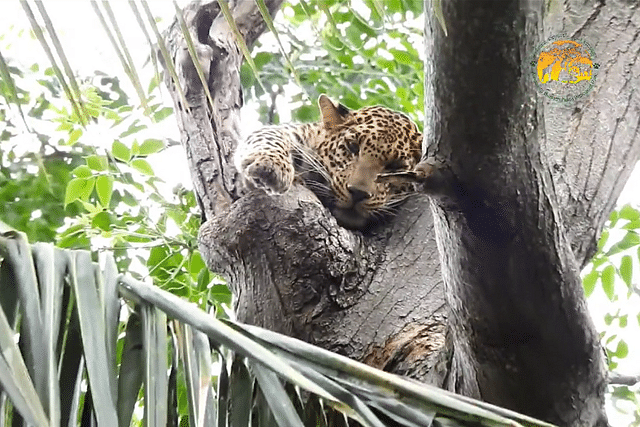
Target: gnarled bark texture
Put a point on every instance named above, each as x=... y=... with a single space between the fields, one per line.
x=486 y=298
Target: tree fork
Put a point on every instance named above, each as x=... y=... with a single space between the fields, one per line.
x=292 y=269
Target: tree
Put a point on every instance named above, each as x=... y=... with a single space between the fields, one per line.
x=111 y=188
x=513 y=228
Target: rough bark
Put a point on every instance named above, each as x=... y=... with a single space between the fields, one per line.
x=522 y=220
x=534 y=183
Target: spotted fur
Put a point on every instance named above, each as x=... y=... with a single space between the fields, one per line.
x=341 y=159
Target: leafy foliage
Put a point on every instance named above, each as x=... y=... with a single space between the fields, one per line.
x=35 y=165
x=614 y=271
x=85 y=179
x=362 y=53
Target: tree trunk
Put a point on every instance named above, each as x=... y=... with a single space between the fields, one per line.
x=534 y=183
x=521 y=219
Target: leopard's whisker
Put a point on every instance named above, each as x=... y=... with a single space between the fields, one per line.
x=311 y=160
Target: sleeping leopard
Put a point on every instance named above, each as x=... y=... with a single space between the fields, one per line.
x=348 y=160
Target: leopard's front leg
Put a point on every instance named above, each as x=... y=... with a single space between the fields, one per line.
x=264 y=160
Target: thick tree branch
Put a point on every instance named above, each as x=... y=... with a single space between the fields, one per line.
x=619 y=379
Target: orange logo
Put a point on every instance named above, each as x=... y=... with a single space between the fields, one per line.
x=564 y=63
x=563 y=68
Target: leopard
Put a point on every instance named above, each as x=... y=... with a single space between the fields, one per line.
x=348 y=159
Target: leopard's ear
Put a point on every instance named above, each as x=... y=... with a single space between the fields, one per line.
x=332 y=116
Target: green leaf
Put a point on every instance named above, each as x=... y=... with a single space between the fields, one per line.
x=141 y=165
x=221 y=294
x=608 y=319
x=150 y=146
x=612 y=337
x=633 y=225
x=104 y=188
x=623 y=320
x=74 y=136
x=133 y=128
x=630 y=240
x=622 y=350
x=135 y=148
x=97 y=163
x=162 y=114
x=91 y=208
x=120 y=151
x=306 y=113
x=624 y=393
x=82 y=172
x=78 y=188
x=602 y=241
x=608 y=281
x=589 y=282
x=402 y=56
x=156 y=255
x=203 y=279
x=102 y=221
x=629 y=213
x=626 y=269
x=262 y=58
x=196 y=264
x=74 y=236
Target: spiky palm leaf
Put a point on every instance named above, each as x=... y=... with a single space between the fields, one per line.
x=47 y=292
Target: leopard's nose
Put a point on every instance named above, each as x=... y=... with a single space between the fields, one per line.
x=357 y=194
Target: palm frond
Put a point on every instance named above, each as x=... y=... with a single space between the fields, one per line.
x=91 y=314
x=269 y=21
x=164 y=53
x=73 y=97
x=154 y=339
x=121 y=50
x=196 y=357
x=61 y=54
x=147 y=36
x=131 y=370
x=224 y=8
x=194 y=55
x=270 y=380
x=15 y=378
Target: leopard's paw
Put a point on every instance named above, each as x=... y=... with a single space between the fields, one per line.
x=274 y=176
x=433 y=176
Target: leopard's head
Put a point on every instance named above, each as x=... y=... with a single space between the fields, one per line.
x=357 y=147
